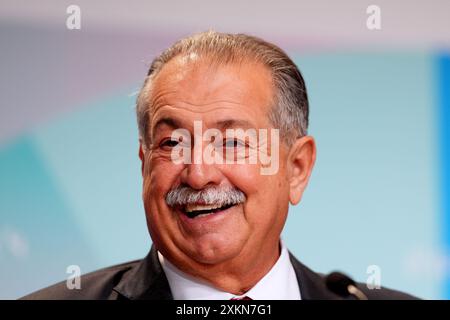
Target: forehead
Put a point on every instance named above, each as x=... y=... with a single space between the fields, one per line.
x=197 y=88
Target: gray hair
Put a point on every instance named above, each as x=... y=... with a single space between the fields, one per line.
x=290 y=111
x=183 y=194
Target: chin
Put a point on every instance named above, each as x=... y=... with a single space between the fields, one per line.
x=215 y=251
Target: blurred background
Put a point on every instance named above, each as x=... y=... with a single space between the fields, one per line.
x=70 y=182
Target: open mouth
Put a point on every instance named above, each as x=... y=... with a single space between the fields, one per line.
x=202 y=210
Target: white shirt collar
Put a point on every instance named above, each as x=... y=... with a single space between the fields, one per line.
x=280 y=283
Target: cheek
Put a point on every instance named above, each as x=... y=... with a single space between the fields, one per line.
x=244 y=177
x=267 y=195
x=249 y=179
x=160 y=175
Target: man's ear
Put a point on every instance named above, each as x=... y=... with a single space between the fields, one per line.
x=301 y=159
x=141 y=156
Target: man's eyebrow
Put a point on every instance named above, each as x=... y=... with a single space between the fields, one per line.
x=233 y=123
x=170 y=122
x=221 y=124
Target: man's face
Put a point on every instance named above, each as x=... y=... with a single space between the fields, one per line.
x=223 y=97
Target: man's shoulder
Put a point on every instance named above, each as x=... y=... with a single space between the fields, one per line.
x=313 y=286
x=384 y=293
x=97 y=285
x=379 y=293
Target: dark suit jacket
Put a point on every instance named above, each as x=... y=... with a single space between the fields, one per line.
x=145 y=279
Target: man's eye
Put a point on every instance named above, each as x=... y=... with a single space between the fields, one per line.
x=233 y=143
x=169 y=143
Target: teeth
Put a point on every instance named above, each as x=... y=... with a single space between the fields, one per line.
x=198 y=207
x=204 y=214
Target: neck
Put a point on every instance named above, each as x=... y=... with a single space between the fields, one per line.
x=238 y=275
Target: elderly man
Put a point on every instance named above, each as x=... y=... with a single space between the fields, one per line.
x=224 y=149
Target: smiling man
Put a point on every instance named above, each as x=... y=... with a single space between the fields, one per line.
x=221 y=223
x=215 y=111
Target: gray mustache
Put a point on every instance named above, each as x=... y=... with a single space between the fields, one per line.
x=183 y=195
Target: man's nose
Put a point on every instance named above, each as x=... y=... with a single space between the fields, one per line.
x=198 y=174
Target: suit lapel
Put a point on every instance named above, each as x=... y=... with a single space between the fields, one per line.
x=312 y=285
x=146 y=281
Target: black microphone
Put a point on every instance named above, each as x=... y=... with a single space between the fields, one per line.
x=343 y=286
